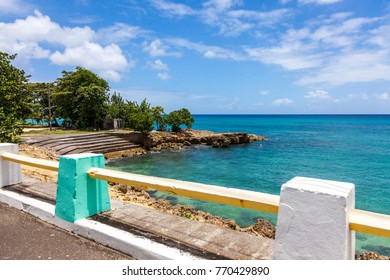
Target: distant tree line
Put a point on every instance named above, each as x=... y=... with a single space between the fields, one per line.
x=80 y=98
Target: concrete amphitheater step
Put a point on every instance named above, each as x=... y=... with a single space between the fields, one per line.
x=93 y=143
x=82 y=143
x=99 y=148
x=53 y=140
x=105 y=150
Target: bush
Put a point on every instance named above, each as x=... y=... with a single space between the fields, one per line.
x=139 y=117
x=178 y=118
x=15 y=99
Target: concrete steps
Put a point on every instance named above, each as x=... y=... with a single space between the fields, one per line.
x=83 y=143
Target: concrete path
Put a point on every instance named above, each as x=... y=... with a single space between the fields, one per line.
x=25 y=237
x=201 y=240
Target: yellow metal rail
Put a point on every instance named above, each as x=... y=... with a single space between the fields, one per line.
x=35 y=162
x=361 y=221
x=241 y=198
x=369 y=222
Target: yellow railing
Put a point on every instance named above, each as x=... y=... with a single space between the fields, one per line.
x=361 y=221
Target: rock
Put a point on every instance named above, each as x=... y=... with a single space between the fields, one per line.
x=221 y=142
x=371 y=256
x=262 y=228
x=187 y=143
x=122 y=189
x=195 y=140
x=169 y=140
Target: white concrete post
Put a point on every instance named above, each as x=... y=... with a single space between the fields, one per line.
x=313 y=220
x=10 y=172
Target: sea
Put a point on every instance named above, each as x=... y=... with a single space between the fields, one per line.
x=347 y=148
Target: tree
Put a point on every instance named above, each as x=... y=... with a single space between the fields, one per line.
x=116 y=107
x=159 y=118
x=15 y=99
x=178 y=118
x=81 y=97
x=139 y=117
x=43 y=108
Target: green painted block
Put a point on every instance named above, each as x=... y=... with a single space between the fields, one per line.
x=78 y=195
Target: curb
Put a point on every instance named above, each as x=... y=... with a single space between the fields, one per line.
x=123 y=241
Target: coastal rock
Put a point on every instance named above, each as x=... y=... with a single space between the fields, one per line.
x=195 y=140
x=169 y=140
x=263 y=228
x=371 y=256
x=187 y=143
x=220 y=142
x=254 y=137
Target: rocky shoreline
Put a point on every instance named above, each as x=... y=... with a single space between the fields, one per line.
x=157 y=141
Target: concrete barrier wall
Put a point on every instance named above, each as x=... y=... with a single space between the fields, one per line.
x=313 y=218
x=136 y=137
x=10 y=172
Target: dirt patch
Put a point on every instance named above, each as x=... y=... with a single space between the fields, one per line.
x=42 y=153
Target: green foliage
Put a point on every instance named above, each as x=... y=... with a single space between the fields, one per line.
x=116 y=107
x=40 y=100
x=178 y=118
x=139 y=117
x=81 y=98
x=9 y=128
x=15 y=99
x=159 y=118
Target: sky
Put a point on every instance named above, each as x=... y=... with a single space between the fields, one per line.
x=213 y=56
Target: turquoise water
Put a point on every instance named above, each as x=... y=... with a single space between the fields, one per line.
x=353 y=149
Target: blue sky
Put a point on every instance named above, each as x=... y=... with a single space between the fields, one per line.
x=213 y=56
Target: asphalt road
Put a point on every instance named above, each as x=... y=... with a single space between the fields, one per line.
x=24 y=237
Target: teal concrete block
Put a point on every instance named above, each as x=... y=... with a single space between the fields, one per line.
x=78 y=195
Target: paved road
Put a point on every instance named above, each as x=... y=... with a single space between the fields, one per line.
x=24 y=237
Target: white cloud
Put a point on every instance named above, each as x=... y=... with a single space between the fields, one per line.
x=264 y=92
x=233 y=22
x=223 y=15
x=161 y=67
x=158 y=48
x=37 y=37
x=25 y=36
x=173 y=9
x=207 y=51
x=163 y=76
x=108 y=61
x=319 y=1
x=264 y=18
x=222 y=5
x=289 y=57
x=362 y=96
x=381 y=36
x=354 y=67
x=158 y=65
x=282 y=102
x=337 y=50
x=383 y=96
x=17 y=7
x=318 y=95
x=118 y=33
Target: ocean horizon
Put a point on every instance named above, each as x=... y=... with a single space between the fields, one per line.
x=339 y=147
